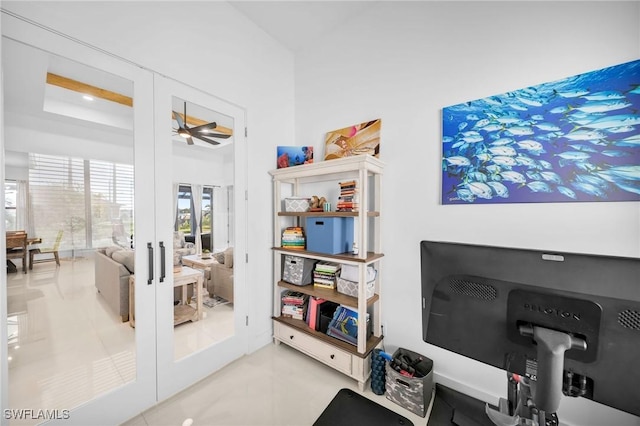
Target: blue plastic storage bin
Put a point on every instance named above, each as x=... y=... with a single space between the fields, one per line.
x=330 y=235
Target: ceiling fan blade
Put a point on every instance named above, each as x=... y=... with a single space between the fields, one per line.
x=190 y=141
x=216 y=135
x=205 y=127
x=179 y=120
x=212 y=142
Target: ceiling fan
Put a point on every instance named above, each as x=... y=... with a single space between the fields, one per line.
x=202 y=132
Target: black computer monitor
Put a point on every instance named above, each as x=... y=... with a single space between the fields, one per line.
x=479 y=301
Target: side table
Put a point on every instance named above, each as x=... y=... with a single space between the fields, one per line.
x=197 y=262
x=183 y=312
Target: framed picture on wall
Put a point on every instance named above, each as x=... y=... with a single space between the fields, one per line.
x=571 y=140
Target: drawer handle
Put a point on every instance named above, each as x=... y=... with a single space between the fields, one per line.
x=291 y=337
x=332 y=356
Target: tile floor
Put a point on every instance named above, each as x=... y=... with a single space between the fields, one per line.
x=274 y=386
x=67 y=346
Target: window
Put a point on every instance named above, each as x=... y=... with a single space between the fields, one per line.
x=185 y=210
x=207 y=204
x=10 y=203
x=91 y=201
x=111 y=203
x=185 y=220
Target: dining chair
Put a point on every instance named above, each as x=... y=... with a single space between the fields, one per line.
x=17 y=247
x=52 y=250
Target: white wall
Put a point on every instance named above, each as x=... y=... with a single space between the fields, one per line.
x=210 y=46
x=404 y=62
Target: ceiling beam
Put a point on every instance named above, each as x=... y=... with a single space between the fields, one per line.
x=87 y=89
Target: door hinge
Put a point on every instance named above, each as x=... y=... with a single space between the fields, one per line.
x=246 y=320
x=246 y=258
x=246 y=132
x=246 y=194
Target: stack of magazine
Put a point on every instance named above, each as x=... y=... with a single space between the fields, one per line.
x=293 y=238
x=344 y=325
x=325 y=274
x=294 y=304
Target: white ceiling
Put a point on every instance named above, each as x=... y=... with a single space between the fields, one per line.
x=27 y=97
x=296 y=24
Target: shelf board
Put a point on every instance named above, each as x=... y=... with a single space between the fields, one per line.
x=328 y=294
x=328 y=214
x=302 y=326
x=184 y=313
x=330 y=169
x=343 y=257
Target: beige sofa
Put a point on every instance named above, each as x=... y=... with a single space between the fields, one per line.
x=112 y=278
x=113 y=267
x=221 y=282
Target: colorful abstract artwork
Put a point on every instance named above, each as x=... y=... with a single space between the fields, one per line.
x=571 y=140
x=363 y=138
x=289 y=156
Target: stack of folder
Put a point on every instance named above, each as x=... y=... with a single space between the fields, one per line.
x=344 y=325
x=319 y=313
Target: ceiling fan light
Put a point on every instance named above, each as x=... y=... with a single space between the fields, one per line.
x=184 y=133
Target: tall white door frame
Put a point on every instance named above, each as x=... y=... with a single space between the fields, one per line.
x=173 y=375
x=128 y=400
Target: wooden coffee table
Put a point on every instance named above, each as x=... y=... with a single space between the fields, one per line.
x=183 y=312
x=196 y=261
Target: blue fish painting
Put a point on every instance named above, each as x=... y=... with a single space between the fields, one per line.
x=571 y=140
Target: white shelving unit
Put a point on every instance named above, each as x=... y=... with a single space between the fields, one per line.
x=353 y=361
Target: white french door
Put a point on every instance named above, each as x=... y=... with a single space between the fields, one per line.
x=162 y=358
x=189 y=351
x=106 y=370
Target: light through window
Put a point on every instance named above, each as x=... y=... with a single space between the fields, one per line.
x=10 y=205
x=90 y=201
x=185 y=220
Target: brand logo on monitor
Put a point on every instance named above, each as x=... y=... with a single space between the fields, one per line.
x=553 y=311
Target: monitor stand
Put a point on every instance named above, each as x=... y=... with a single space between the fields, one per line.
x=535 y=402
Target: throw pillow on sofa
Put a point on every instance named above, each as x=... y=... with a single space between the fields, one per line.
x=228 y=257
x=111 y=249
x=219 y=257
x=125 y=257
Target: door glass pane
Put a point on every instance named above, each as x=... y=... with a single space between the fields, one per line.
x=203 y=163
x=69 y=174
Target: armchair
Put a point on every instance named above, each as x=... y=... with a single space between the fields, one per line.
x=181 y=247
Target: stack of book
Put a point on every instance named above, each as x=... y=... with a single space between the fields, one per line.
x=293 y=238
x=348 y=201
x=294 y=304
x=325 y=275
x=344 y=325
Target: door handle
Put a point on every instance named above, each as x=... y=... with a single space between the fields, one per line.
x=150 y=250
x=162 y=262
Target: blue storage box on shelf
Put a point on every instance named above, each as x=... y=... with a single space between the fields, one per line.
x=330 y=235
